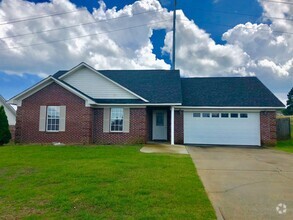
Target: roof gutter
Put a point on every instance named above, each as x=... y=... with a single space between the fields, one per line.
x=139 y=104
x=230 y=107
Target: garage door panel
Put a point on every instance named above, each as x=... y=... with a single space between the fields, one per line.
x=226 y=131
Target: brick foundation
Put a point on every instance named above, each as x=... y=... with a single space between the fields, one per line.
x=268 y=128
x=178 y=127
x=78 y=117
x=137 y=129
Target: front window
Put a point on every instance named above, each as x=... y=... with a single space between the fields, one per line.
x=117 y=119
x=53 y=118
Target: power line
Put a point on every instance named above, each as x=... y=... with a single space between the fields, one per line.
x=82 y=24
x=232 y=26
x=282 y=2
x=121 y=29
x=132 y=27
x=38 y=17
x=240 y=14
x=83 y=36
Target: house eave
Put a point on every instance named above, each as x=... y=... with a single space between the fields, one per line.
x=133 y=104
x=17 y=100
x=8 y=106
x=230 y=107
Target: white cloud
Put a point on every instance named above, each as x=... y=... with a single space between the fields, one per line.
x=129 y=49
x=269 y=46
x=251 y=49
x=198 y=55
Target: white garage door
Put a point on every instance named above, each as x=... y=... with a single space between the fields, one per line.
x=223 y=128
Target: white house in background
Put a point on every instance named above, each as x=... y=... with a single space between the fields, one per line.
x=9 y=110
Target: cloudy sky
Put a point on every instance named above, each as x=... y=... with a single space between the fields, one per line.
x=214 y=38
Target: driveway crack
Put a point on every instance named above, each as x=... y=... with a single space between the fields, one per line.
x=238 y=186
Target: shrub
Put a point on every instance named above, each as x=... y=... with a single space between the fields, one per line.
x=5 y=134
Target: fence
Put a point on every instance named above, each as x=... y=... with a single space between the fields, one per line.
x=283 y=129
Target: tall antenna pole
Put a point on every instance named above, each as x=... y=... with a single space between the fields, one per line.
x=174 y=33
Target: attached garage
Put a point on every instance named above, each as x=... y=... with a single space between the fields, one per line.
x=222 y=128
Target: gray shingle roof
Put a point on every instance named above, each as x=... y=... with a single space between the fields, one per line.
x=227 y=91
x=157 y=86
x=166 y=86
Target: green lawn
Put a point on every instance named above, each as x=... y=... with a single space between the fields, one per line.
x=288 y=144
x=103 y=182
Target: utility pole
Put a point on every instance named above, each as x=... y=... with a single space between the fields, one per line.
x=174 y=37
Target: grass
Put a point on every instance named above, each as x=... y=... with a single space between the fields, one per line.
x=286 y=145
x=103 y=182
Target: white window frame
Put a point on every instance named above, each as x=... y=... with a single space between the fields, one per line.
x=206 y=115
x=196 y=115
x=215 y=115
x=234 y=113
x=57 y=117
x=225 y=113
x=114 y=114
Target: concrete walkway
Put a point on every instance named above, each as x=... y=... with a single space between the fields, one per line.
x=164 y=148
x=245 y=183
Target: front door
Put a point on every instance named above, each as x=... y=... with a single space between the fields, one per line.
x=159 y=125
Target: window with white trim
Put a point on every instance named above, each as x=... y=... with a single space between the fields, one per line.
x=234 y=115
x=243 y=115
x=53 y=118
x=116 y=124
x=224 y=115
x=196 y=115
x=205 y=115
x=215 y=115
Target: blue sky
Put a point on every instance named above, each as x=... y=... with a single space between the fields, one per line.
x=214 y=17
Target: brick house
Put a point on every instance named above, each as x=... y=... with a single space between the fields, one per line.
x=86 y=106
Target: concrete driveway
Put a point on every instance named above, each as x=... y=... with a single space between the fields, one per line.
x=245 y=183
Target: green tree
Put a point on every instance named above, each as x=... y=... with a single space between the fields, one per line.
x=5 y=134
x=289 y=109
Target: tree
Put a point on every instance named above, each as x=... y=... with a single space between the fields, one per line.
x=5 y=134
x=289 y=109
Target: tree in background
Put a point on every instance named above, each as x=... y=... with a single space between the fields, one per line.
x=5 y=134
x=289 y=109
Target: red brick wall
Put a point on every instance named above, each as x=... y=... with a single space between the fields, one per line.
x=178 y=127
x=268 y=130
x=138 y=129
x=78 y=117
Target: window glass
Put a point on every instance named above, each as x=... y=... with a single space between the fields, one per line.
x=196 y=115
x=53 y=118
x=215 y=115
x=159 y=119
x=243 y=115
x=116 y=119
x=234 y=115
x=206 y=115
x=224 y=115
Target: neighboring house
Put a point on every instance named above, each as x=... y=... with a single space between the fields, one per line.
x=84 y=105
x=9 y=110
x=11 y=115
